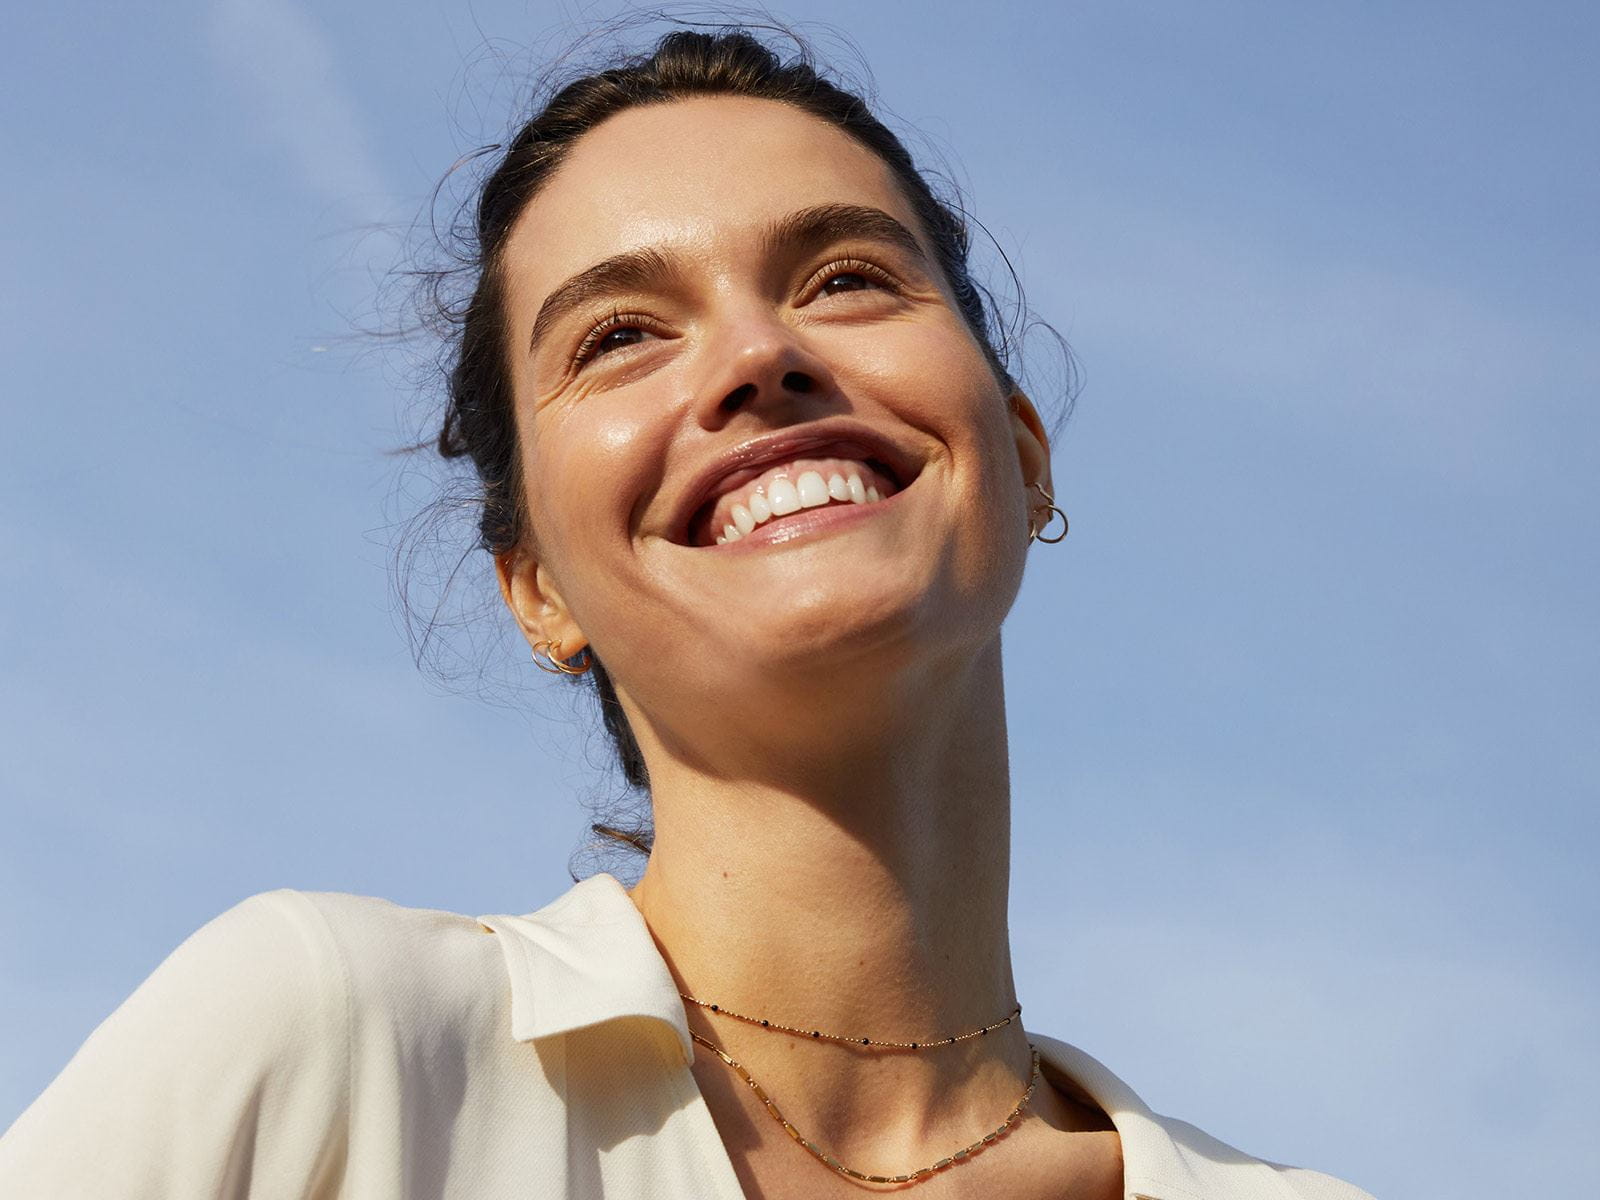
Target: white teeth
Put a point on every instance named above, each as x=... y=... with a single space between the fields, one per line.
x=783 y=497
x=813 y=491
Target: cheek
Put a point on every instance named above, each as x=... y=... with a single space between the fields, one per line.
x=570 y=500
x=932 y=365
x=585 y=468
x=934 y=377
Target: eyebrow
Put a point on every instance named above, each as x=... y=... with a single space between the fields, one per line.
x=630 y=270
x=799 y=232
x=812 y=228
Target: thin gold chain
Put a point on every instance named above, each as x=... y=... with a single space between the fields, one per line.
x=828 y=1160
x=818 y=1035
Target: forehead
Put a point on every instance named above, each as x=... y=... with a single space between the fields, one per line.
x=706 y=173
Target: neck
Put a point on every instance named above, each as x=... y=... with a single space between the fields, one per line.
x=861 y=891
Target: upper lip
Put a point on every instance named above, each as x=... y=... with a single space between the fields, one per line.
x=819 y=439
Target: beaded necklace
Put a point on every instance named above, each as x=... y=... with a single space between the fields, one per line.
x=825 y=1157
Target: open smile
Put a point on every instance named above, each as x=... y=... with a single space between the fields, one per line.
x=773 y=488
x=773 y=498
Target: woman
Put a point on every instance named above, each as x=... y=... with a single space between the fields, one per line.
x=751 y=463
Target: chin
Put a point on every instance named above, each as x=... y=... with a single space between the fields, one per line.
x=877 y=620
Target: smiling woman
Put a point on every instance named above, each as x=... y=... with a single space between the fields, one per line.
x=751 y=462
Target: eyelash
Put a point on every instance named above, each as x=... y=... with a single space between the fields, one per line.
x=591 y=340
x=625 y=320
x=852 y=266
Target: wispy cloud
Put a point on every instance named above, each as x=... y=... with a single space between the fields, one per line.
x=284 y=68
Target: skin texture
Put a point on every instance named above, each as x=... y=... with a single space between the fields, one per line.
x=822 y=716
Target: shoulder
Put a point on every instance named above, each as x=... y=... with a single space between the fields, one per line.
x=1169 y=1159
x=288 y=976
x=1213 y=1161
x=249 y=1042
x=282 y=985
x=1313 y=1185
x=264 y=966
x=370 y=936
x=354 y=960
x=282 y=953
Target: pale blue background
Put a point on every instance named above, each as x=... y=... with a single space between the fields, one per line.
x=1303 y=712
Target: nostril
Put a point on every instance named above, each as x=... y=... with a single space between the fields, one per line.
x=799 y=382
x=737 y=398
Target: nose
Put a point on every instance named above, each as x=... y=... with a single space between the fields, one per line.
x=762 y=366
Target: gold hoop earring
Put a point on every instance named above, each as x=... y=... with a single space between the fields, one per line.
x=1051 y=513
x=552 y=653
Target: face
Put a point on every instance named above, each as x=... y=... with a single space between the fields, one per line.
x=728 y=333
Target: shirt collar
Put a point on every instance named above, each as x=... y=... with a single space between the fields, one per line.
x=1163 y=1159
x=585 y=959
x=588 y=958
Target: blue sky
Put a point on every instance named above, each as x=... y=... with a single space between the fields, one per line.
x=1302 y=712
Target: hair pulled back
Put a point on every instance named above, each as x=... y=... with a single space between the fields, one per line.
x=479 y=421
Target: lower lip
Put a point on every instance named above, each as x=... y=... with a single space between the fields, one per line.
x=806 y=523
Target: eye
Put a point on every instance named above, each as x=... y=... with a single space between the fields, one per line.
x=616 y=332
x=845 y=281
x=850 y=275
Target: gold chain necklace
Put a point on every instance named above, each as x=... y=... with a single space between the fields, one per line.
x=818 y=1035
x=828 y=1160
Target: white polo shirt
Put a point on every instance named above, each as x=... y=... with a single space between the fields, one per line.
x=321 y=1045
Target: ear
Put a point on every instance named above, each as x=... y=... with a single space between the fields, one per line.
x=1033 y=443
x=531 y=594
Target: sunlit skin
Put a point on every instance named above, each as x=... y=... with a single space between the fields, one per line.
x=822 y=714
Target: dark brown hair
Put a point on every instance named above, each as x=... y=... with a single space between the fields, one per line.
x=479 y=421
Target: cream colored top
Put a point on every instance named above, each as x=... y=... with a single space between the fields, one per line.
x=324 y=1045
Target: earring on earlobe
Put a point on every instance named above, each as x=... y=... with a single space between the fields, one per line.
x=1051 y=512
x=552 y=655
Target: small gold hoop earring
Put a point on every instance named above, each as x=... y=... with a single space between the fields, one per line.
x=1051 y=513
x=552 y=653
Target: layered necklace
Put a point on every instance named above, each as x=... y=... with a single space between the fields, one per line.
x=825 y=1157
